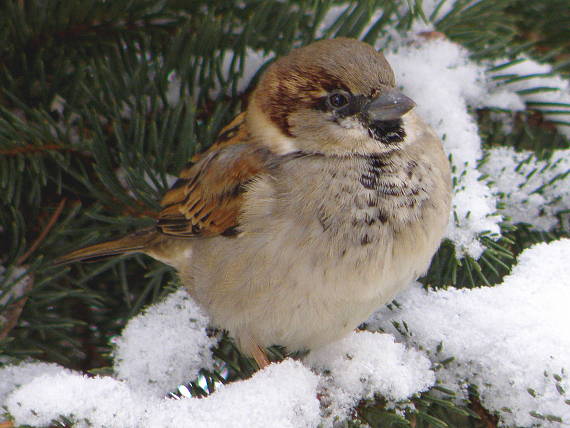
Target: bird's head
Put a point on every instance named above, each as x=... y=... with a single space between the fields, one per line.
x=333 y=97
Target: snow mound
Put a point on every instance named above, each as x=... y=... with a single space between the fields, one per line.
x=512 y=337
x=533 y=191
x=364 y=364
x=167 y=346
x=163 y=346
x=285 y=394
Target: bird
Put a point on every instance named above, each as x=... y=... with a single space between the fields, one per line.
x=314 y=207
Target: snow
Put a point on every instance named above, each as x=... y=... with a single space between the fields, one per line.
x=283 y=395
x=509 y=338
x=167 y=345
x=533 y=191
x=99 y=401
x=253 y=60
x=446 y=85
x=16 y=375
x=365 y=364
x=163 y=346
x=107 y=402
x=512 y=337
x=538 y=76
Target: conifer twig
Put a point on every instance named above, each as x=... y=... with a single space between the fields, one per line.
x=489 y=420
x=32 y=148
x=44 y=232
x=15 y=309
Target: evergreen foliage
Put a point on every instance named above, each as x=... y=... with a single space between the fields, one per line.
x=102 y=102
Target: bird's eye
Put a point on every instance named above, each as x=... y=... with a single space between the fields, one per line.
x=337 y=100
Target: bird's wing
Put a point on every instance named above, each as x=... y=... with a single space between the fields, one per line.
x=235 y=132
x=207 y=198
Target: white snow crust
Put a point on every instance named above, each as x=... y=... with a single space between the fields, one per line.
x=164 y=345
x=365 y=364
x=284 y=394
x=533 y=191
x=511 y=340
x=167 y=345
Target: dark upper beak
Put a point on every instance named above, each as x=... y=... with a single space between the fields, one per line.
x=391 y=105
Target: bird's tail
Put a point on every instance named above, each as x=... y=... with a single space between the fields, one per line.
x=136 y=242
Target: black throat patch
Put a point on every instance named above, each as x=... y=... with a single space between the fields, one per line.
x=387 y=132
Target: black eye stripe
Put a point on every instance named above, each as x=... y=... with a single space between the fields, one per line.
x=354 y=107
x=351 y=106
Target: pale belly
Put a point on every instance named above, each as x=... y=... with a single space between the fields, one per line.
x=316 y=258
x=299 y=292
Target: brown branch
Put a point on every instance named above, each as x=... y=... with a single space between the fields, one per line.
x=44 y=232
x=488 y=420
x=432 y=35
x=15 y=309
x=31 y=148
x=97 y=28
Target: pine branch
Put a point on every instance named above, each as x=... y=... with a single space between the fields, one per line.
x=10 y=314
x=45 y=230
x=32 y=149
x=103 y=103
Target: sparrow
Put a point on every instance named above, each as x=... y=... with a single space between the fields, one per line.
x=313 y=208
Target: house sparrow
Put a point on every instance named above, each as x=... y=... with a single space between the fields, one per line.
x=313 y=208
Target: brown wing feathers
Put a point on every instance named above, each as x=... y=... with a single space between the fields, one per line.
x=235 y=132
x=206 y=200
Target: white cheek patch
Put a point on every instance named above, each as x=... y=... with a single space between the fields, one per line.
x=276 y=141
x=352 y=129
x=414 y=130
x=271 y=136
x=350 y=122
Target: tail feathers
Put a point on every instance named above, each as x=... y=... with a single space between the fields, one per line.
x=136 y=242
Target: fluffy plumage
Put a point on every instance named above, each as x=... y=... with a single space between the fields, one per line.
x=313 y=208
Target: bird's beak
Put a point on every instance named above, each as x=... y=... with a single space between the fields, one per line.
x=390 y=105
